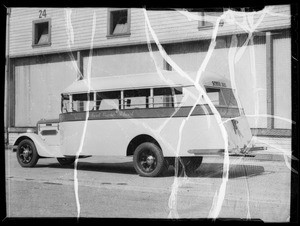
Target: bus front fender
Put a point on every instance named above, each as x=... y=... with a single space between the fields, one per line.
x=42 y=148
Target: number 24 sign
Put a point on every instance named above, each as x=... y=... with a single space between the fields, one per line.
x=42 y=13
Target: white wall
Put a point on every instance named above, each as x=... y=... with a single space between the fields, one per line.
x=121 y=64
x=282 y=82
x=38 y=88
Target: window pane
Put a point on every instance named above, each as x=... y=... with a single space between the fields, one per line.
x=221 y=97
x=163 y=97
x=41 y=33
x=83 y=96
x=162 y=91
x=136 y=98
x=83 y=102
x=108 y=100
x=109 y=104
x=216 y=96
x=209 y=17
x=178 y=90
x=229 y=97
x=109 y=95
x=119 y=22
x=65 y=104
x=137 y=93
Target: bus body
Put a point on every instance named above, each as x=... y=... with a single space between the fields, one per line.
x=154 y=117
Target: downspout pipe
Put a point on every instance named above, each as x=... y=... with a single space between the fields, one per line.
x=7 y=71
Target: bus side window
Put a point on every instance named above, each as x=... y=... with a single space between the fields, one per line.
x=162 y=97
x=229 y=97
x=108 y=100
x=167 y=97
x=214 y=95
x=83 y=102
x=138 y=98
x=178 y=96
x=65 y=104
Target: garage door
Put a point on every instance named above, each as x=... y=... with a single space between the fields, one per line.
x=37 y=89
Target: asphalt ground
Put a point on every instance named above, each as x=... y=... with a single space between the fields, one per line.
x=109 y=187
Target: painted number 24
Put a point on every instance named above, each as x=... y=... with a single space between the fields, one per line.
x=42 y=13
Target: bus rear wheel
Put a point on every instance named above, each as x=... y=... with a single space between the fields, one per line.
x=27 y=154
x=148 y=160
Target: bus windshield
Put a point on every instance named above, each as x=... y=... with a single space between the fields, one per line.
x=222 y=97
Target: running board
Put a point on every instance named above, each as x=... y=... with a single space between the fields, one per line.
x=220 y=152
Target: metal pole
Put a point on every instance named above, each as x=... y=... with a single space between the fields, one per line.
x=7 y=67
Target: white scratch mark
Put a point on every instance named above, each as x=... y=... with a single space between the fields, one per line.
x=70 y=40
x=70 y=33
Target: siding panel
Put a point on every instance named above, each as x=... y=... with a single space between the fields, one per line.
x=169 y=26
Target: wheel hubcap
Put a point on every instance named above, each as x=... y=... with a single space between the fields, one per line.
x=26 y=154
x=150 y=160
x=147 y=161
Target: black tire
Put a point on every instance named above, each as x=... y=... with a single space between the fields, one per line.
x=27 y=154
x=66 y=161
x=148 y=160
x=187 y=166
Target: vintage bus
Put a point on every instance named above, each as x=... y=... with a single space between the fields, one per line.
x=156 y=118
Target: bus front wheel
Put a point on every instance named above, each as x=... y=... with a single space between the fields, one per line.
x=148 y=160
x=27 y=154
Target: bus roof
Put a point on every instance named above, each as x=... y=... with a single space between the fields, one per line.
x=146 y=80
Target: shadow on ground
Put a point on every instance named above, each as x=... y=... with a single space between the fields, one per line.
x=210 y=170
x=123 y=167
x=215 y=170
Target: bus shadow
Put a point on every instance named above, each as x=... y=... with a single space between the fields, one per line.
x=210 y=170
x=122 y=167
x=215 y=170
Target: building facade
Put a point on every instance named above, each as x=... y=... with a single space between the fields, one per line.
x=49 y=48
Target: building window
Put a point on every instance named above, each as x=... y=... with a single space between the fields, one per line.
x=41 y=32
x=118 y=22
x=209 y=18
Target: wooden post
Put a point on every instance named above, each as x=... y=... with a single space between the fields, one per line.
x=80 y=65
